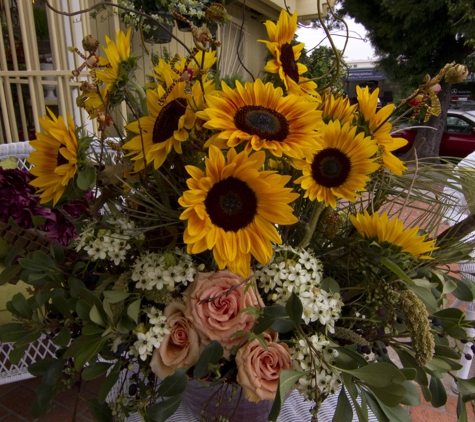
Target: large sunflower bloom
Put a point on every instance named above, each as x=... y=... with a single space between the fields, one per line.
x=110 y=71
x=263 y=118
x=286 y=56
x=376 y=226
x=167 y=125
x=55 y=157
x=367 y=105
x=341 y=168
x=232 y=208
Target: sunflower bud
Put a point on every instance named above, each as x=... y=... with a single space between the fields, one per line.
x=456 y=74
x=90 y=43
x=216 y=13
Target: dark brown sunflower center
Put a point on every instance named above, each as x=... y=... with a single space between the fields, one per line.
x=330 y=167
x=61 y=160
x=231 y=204
x=262 y=121
x=288 y=62
x=167 y=120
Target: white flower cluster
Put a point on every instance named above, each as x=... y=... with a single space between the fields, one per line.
x=298 y=271
x=151 y=339
x=109 y=244
x=189 y=8
x=315 y=362
x=163 y=270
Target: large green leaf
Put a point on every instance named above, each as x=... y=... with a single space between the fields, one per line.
x=20 y=304
x=391 y=395
x=109 y=382
x=95 y=371
x=16 y=354
x=211 y=355
x=343 y=411
x=287 y=379
x=294 y=309
x=378 y=374
x=63 y=338
x=276 y=318
x=413 y=396
x=160 y=412
x=61 y=304
x=86 y=178
x=374 y=406
x=113 y=296
x=426 y=297
x=84 y=348
x=10 y=273
x=408 y=361
x=439 y=394
x=465 y=290
x=134 y=309
x=173 y=385
x=11 y=332
x=100 y=411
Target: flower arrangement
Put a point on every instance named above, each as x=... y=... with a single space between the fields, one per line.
x=249 y=237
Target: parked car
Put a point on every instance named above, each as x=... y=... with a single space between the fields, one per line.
x=458 y=139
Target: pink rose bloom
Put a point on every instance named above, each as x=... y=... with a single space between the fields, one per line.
x=259 y=369
x=180 y=348
x=220 y=319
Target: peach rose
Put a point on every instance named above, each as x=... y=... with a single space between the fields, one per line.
x=219 y=319
x=180 y=348
x=259 y=369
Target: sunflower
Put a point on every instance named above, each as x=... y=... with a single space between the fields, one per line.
x=55 y=157
x=115 y=71
x=340 y=169
x=337 y=108
x=286 y=56
x=380 y=128
x=167 y=125
x=262 y=117
x=232 y=208
x=379 y=227
x=202 y=63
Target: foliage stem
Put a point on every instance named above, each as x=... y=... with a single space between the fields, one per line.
x=312 y=224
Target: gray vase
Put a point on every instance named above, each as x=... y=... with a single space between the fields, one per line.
x=209 y=403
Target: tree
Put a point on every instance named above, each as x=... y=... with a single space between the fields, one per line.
x=321 y=64
x=413 y=38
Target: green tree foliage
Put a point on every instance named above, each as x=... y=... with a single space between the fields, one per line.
x=413 y=38
x=321 y=64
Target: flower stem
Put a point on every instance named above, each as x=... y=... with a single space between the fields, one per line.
x=310 y=229
x=134 y=86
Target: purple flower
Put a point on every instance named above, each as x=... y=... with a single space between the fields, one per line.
x=20 y=202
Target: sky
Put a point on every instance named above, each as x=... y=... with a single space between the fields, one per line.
x=357 y=48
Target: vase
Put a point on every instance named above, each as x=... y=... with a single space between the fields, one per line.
x=211 y=403
x=48 y=89
x=159 y=34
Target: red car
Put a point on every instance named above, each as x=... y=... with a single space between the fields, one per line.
x=458 y=139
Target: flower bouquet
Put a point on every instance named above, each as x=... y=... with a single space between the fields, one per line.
x=250 y=243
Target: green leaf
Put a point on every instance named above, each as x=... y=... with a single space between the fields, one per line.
x=53 y=373
x=57 y=252
x=439 y=365
x=160 y=412
x=349 y=359
x=11 y=332
x=96 y=316
x=413 y=396
x=461 y=410
x=40 y=262
x=10 y=273
x=86 y=178
x=466 y=387
x=39 y=369
x=439 y=395
x=63 y=338
x=91 y=329
x=294 y=309
x=16 y=354
x=115 y=297
x=395 y=414
x=446 y=351
x=426 y=297
x=330 y=285
x=275 y=318
x=396 y=270
x=75 y=285
x=21 y=306
x=134 y=309
x=374 y=406
x=100 y=411
x=44 y=396
x=378 y=374
x=95 y=371
x=211 y=355
x=84 y=348
x=28 y=337
x=390 y=395
x=287 y=379
x=343 y=411
x=408 y=361
x=449 y=287
x=109 y=382
x=173 y=385
x=465 y=290
x=61 y=304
